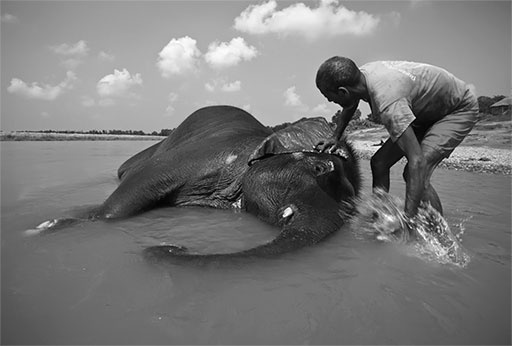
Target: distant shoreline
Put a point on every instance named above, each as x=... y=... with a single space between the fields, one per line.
x=486 y=150
x=52 y=136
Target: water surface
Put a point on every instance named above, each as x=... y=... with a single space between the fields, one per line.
x=89 y=284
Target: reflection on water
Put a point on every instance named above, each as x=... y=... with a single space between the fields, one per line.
x=90 y=285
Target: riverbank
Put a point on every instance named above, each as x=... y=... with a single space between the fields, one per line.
x=51 y=136
x=466 y=158
x=487 y=149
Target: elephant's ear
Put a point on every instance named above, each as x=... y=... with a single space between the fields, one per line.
x=270 y=146
x=304 y=134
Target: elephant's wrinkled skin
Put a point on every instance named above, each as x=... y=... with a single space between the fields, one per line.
x=306 y=194
x=222 y=157
x=201 y=164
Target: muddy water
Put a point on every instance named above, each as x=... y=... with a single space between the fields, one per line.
x=90 y=285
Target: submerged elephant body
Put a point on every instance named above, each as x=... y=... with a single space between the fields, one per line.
x=222 y=157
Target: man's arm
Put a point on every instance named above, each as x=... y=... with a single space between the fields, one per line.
x=346 y=115
x=341 y=124
x=415 y=184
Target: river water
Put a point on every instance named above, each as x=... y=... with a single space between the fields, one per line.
x=89 y=284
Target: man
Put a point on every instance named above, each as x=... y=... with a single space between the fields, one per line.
x=426 y=110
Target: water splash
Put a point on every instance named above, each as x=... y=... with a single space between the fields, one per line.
x=461 y=226
x=436 y=241
x=380 y=216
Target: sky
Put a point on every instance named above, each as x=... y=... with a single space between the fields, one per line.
x=134 y=65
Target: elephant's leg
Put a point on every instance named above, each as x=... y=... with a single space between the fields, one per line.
x=139 y=192
x=50 y=226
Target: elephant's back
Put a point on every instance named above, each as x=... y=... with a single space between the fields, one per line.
x=207 y=135
x=215 y=123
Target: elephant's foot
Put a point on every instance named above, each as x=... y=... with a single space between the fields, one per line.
x=52 y=225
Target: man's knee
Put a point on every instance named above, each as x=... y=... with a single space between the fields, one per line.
x=426 y=164
x=432 y=158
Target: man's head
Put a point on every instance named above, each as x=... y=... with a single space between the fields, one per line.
x=336 y=78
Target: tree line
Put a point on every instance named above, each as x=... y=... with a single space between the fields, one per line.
x=484 y=102
x=371 y=120
x=162 y=132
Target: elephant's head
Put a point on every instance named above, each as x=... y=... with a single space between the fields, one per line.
x=309 y=195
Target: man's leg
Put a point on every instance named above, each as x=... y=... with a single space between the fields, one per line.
x=442 y=138
x=382 y=161
x=432 y=158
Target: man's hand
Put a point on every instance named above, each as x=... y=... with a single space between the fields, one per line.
x=327 y=145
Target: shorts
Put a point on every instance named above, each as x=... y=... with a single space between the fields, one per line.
x=448 y=132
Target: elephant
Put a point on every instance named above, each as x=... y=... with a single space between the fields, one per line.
x=222 y=157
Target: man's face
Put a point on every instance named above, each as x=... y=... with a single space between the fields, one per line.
x=340 y=96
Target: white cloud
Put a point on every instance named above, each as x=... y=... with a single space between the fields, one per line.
x=226 y=54
x=9 y=18
x=291 y=98
x=71 y=64
x=322 y=110
x=328 y=19
x=103 y=56
x=232 y=87
x=71 y=55
x=178 y=56
x=118 y=84
x=78 y=49
x=223 y=85
x=41 y=92
x=171 y=98
x=210 y=86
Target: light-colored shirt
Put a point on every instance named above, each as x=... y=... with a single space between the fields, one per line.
x=402 y=92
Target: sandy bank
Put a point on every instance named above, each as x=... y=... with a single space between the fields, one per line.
x=487 y=149
x=467 y=158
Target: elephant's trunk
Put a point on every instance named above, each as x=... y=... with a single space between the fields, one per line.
x=271 y=249
x=315 y=226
